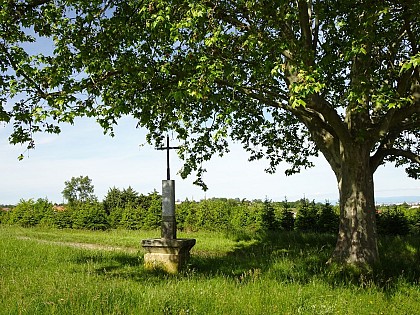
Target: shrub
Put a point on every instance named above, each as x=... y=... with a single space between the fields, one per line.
x=392 y=221
x=328 y=220
x=28 y=213
x=48 y=220
x=90 y=216
x=63 y=220
x=210 y=214
x=247 y=220
x=131 y=218
x=4 y=216
x=268 y=217
x=215 y=213
x=306 y=217
x=183 y=213
x=119 y=199
x=18 y=213
x=115 y=216
x=153 y=214
x=285 y=217
x=182 y=210
x=415 y=223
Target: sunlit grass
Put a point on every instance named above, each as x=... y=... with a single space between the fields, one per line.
x=282 y=274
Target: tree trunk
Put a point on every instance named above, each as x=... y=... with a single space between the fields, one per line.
x=357 y=237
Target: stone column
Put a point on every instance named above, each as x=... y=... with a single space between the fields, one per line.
x=168 y=226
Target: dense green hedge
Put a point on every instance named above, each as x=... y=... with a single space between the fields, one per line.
x=398 y=220
x=241 y=218
x=143 y=213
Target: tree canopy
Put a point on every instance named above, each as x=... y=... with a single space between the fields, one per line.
x=79 y=190
x=257 y=71
x=287 y=79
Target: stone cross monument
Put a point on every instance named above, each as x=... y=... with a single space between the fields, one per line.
x=167 y=148
x=168 y=225
x=168 y=252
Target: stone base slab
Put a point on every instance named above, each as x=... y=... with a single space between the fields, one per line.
x=169 y=255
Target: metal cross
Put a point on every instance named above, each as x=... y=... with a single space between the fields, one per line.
x=167 y=148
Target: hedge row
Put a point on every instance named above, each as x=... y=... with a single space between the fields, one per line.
x=240 y=218
x=92 y=215
x=126 y=209
x=398 y=220
x=247 y=218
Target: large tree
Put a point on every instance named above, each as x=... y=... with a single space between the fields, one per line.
x=287 y=79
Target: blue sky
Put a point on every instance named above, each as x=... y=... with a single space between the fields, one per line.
x=83 y=149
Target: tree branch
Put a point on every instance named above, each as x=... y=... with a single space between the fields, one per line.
x=403 y=153
x=324 y=135
x=403 y=116
x=37 y=3
x=410 y=34
x=385 y=145
x=22 y=9
x=394 y=121
x=324 y=108
x=316 y=34
x=304 y=23
x=15 y=67
x=325 y=138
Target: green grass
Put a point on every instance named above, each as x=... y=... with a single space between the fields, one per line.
x=43 y=271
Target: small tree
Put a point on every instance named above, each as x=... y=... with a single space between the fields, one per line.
x=268 y=216
x=113 y=200
x=306 y=216
x=392 y=221
x=28 y=213
x=79 y=190
x=131 y=197
x=116 y=201
x=328 y=220
x=90 y=216
x=286 y=218
x=114 y=218
x=414 y=222
x=153 y=214
x=132 y=218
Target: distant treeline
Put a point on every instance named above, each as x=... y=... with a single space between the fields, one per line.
x=128 y=209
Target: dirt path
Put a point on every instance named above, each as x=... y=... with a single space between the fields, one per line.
x=83 y=245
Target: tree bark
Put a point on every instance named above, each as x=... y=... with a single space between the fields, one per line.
x=357 y=237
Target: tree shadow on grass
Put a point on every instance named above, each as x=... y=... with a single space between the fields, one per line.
x=302 y=257
x=287 y=256
x=400 y=259
x=98 y=257
x=118 y=265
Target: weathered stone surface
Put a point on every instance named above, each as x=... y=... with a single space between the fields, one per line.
x=168 y=226
x=168 y=198
x=169 y=255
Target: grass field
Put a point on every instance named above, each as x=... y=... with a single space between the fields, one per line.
x=46 y=271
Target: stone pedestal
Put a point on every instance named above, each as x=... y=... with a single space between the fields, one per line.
x=169 y=255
